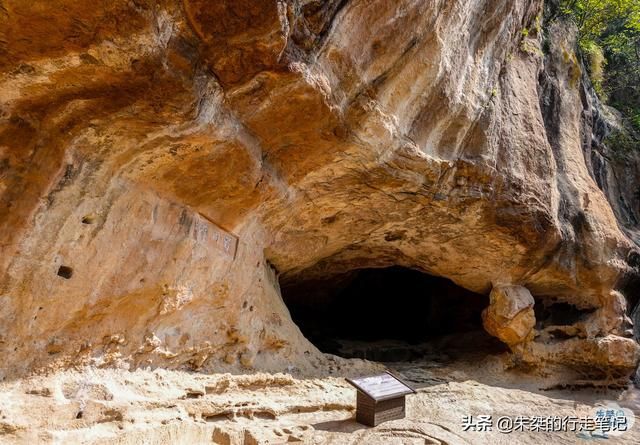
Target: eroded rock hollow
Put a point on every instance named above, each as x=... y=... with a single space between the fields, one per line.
x=165 y=165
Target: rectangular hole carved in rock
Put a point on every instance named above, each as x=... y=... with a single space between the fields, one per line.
x=389 y=314
x=65 y=272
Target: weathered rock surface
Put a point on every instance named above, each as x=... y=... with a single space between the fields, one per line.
x=108 y=406
x=325 y=136
x=510 y=315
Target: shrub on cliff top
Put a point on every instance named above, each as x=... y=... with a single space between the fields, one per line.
x=609 y=36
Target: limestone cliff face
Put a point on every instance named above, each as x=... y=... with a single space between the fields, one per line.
x=326 y=136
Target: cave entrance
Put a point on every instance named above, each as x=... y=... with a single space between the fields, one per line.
x=388 y=315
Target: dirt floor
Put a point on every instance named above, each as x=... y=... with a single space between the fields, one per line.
x=107 y=406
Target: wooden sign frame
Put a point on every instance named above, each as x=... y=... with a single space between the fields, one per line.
x=380 y=398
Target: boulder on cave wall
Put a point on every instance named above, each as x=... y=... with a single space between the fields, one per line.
x=595 y=340
x=316 y=132
x=510 y=315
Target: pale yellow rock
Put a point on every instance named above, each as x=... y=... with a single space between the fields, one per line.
x=246 y=359
x=510 y=316
x=597 y=357
x=136 y=136
x=166 y=165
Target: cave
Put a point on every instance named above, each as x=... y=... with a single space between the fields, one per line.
x=392 y=314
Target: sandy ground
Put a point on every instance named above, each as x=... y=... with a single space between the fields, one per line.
x=107 y=406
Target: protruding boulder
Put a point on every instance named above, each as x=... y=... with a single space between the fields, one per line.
x=510 y=315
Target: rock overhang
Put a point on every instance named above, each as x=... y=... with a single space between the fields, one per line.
x=327 y=138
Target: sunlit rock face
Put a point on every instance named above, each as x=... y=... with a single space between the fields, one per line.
x=510 y=315
x=322 y=137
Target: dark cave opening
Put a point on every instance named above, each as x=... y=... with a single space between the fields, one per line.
x=388 y=314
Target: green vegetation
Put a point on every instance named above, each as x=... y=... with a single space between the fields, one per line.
x=609 y=37
x=623 y=143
